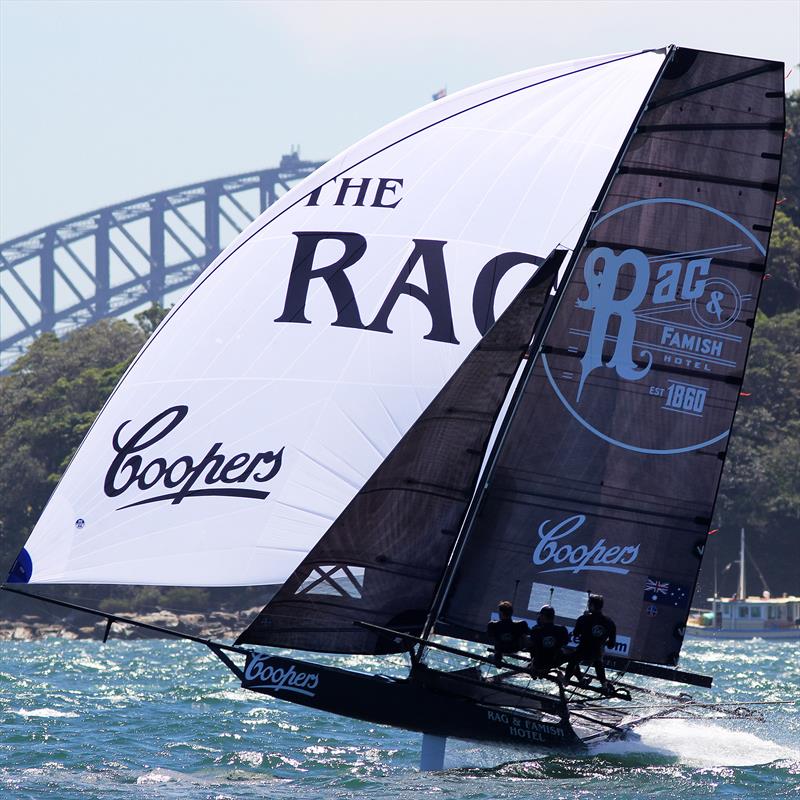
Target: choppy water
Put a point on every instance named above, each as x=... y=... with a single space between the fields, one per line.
x=166 y=720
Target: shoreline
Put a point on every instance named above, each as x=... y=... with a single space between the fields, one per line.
x=217 y=625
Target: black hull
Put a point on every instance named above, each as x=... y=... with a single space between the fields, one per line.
x=457 y=705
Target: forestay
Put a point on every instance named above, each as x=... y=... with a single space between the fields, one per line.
x=607 y=479
x=301 y=356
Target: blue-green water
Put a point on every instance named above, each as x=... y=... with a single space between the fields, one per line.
x=162 y=719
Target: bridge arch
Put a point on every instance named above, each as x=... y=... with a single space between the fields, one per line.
x=114 y=260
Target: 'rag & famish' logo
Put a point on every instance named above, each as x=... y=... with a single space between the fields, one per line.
x=660 y=322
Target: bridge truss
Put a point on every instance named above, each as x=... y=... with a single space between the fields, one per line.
x=115 y=260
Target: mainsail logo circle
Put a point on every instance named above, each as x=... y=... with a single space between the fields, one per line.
x=711 y=311
x=653 y=325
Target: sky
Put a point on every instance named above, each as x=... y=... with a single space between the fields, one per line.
x=101 y=102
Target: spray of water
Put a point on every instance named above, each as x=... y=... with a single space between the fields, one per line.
x=694 y=743
x=701 y=744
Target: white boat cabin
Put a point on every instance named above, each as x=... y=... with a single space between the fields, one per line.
x=753 y=613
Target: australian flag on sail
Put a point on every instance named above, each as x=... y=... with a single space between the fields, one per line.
x=666 y=593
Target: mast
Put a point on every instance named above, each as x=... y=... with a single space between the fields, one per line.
x=535 y=353
x=742 y=588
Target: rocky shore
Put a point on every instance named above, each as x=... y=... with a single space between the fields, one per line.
x=218 y=625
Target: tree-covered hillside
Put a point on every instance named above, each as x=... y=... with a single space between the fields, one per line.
x=52 y=394
x=47 y=403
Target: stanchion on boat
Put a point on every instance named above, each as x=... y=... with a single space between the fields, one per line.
x=432 y=756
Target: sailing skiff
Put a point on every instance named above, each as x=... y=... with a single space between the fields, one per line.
x=492 y=351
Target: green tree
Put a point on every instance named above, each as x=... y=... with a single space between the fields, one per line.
x=761 y=482
x=149 y=319
x=759 y=474
x=790 y=169
x=47 y=403
x=782 y=284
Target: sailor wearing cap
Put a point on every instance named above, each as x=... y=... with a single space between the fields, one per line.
x=548 y=641
x=593 y=631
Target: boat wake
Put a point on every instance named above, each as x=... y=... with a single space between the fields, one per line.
x=699 y=743
x=694 y=743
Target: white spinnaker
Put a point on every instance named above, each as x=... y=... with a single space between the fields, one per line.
x=511 y=165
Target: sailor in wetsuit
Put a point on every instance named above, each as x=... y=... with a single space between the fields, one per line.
x=506 y=635
x=548 y=641
x=593 y=632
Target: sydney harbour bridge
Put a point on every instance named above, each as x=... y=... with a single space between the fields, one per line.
x=114 y=260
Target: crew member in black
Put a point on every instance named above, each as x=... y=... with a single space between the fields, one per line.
x=548 y=641
x=506 y=635
x=593 y=632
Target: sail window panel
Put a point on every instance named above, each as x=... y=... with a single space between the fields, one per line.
x=332 y=579
x=569 y=602
x=607 y=479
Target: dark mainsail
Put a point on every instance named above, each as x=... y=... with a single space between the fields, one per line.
x=381 y=561
x=607 y=479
